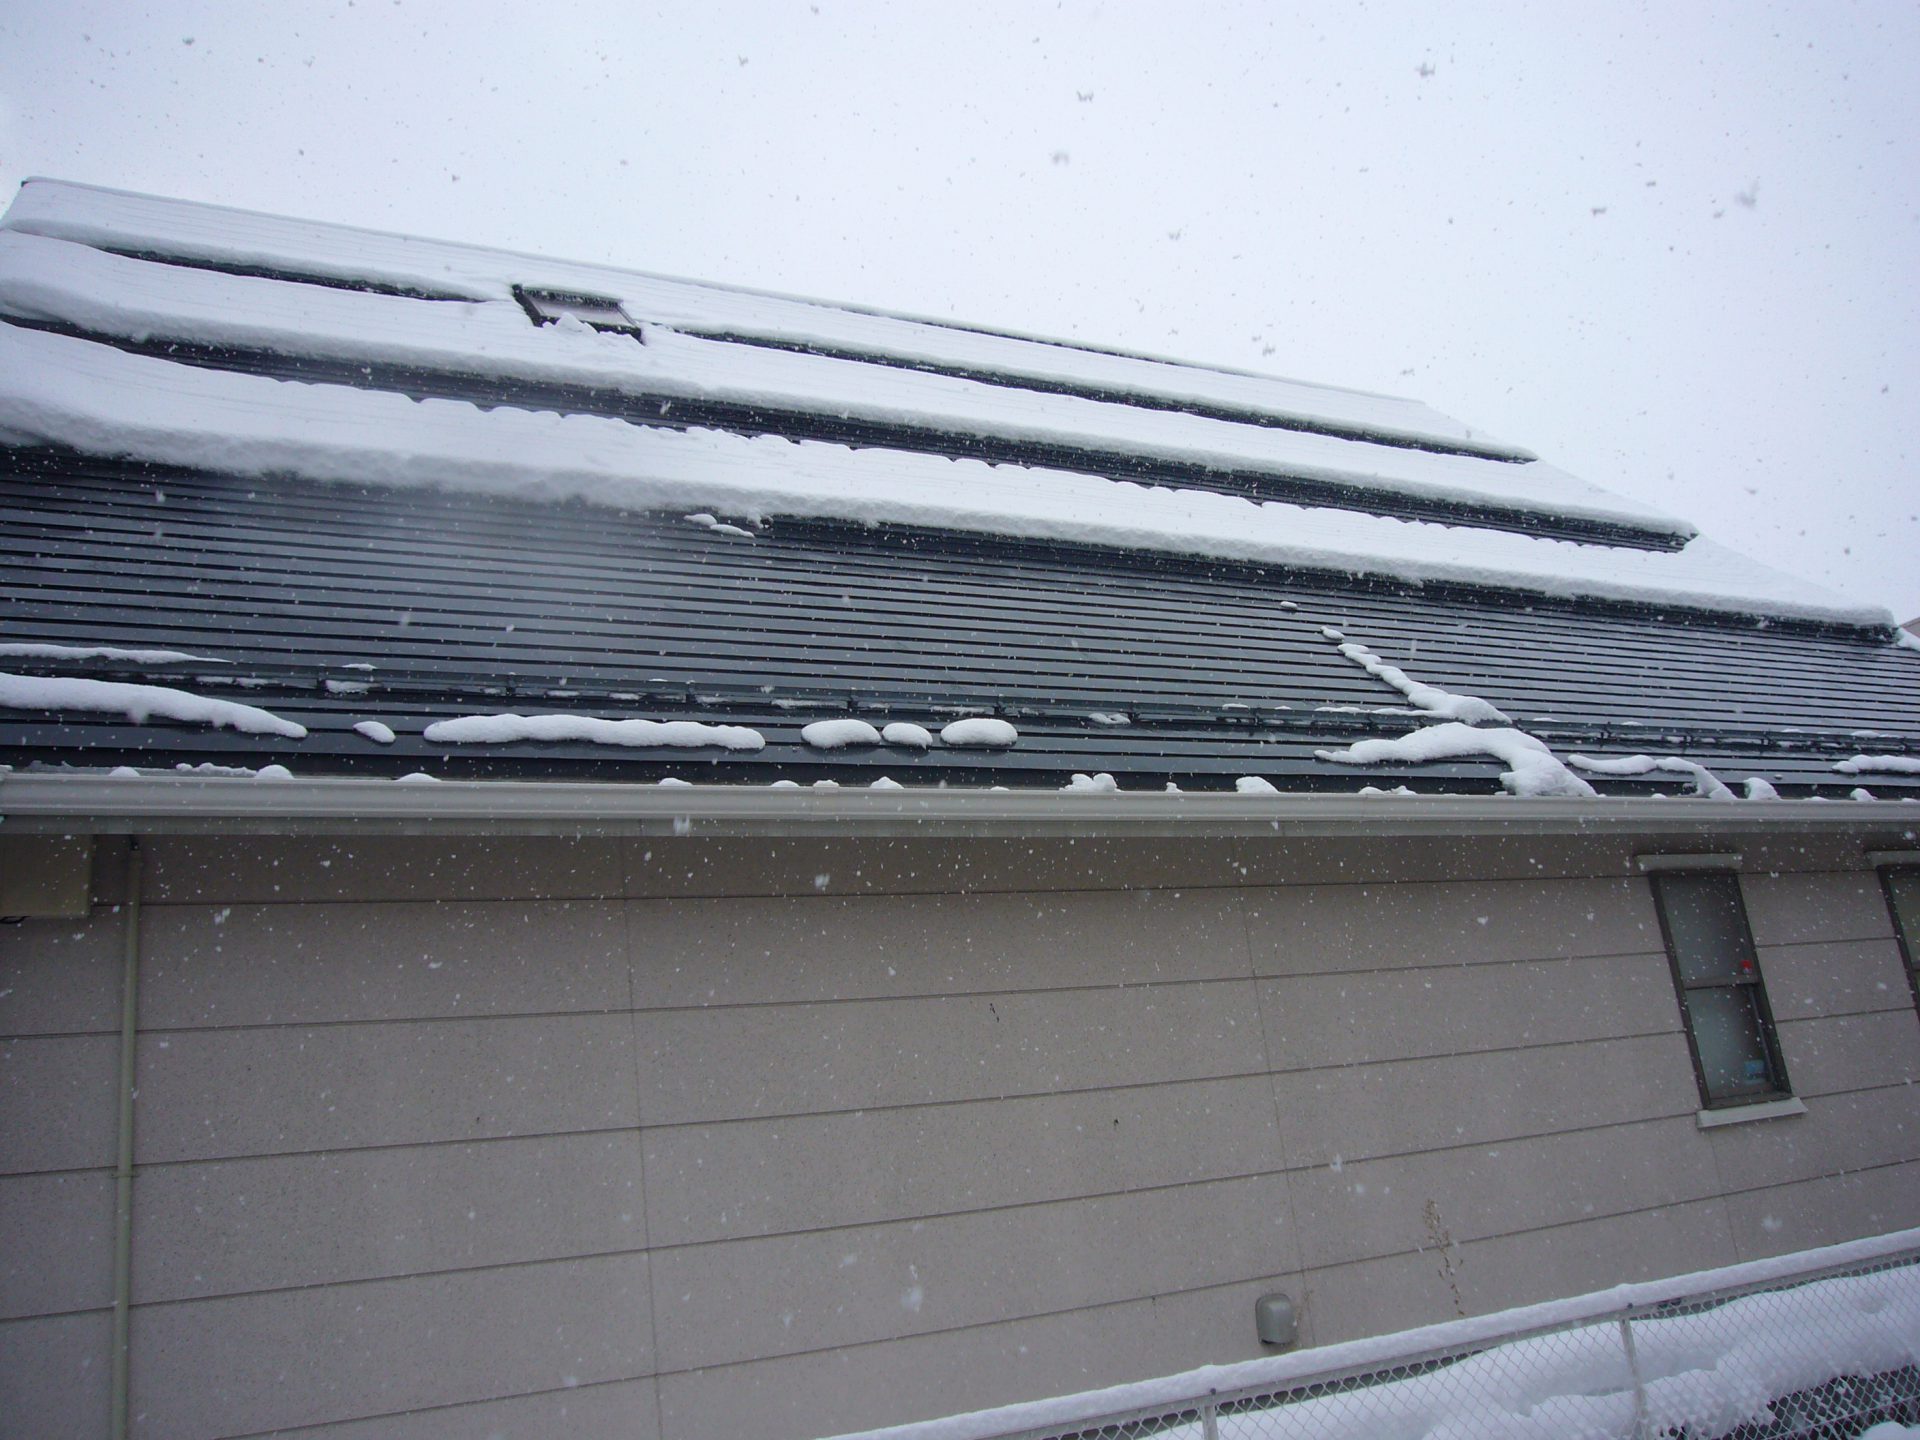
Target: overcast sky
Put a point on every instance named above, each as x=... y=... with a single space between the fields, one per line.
x=1673 y=248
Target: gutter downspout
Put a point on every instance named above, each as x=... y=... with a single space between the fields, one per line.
x=123 y=1165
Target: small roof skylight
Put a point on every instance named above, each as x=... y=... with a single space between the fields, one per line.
x=544 y=307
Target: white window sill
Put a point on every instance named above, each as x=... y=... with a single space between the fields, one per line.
x=1740 y=1114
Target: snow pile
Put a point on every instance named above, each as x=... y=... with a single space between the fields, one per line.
x=233 y=772
x=1101 y=784
x=1531 y=766
x=1254 y=785
x=33 y=650
x=505 y=729
x=979 y=731
x=716 y=525
x=906 y=733
x=104 y=401
x=1885 y=764
x=838 y=734
x=1470 y=709
x=1705 y=782
x=140 y=703
x=886 y=783
x=374 y=730
x=1760 y=789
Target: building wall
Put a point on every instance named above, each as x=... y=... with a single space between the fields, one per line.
x=690 y=1138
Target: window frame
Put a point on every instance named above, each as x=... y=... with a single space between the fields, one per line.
x=1661 y=869
x=547 y=307
x=1886 y=865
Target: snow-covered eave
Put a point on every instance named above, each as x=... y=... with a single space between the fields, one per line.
x=118 y=804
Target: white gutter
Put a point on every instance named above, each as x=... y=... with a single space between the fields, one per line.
x=107 y=804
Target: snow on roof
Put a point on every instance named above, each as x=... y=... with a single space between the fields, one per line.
x=117 y=220
x=105 y=401
x=117 y=297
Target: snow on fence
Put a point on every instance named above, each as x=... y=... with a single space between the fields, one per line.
x=1825 y=1343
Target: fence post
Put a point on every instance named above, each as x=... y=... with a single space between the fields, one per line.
x=1639 y=1389
x=1209 y=1420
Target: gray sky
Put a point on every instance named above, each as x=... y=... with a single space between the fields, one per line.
x=1673 y=248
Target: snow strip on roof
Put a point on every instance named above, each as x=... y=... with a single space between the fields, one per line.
x=140 y=703
x=1532 y=768
x=238 y=238
x=37 y=650
x=104 y=401
x=1705 y=783
x=638 y=734
x=110 y=295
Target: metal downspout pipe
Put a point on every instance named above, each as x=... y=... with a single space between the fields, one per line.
x=123 y=1164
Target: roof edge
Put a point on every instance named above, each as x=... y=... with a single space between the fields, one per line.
x=115 y=804
x=55 y=182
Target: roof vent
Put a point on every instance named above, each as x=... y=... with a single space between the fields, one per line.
x=544 y=307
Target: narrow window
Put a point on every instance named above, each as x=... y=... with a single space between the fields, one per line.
x=1736 y=1056
x=1900 y=877
x=543 y=307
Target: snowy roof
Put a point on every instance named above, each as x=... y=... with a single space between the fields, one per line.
x=254 y=302
x=347 y=482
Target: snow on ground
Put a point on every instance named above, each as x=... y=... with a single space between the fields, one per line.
x=1702 y=1373
x=104 y=401
x=116 y=220
x=139 y=703
x=505 y=729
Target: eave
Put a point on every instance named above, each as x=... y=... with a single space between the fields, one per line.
x=109 y=804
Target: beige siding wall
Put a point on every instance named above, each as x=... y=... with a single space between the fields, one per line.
x=677 y=1138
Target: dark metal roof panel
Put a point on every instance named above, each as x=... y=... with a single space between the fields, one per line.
x=467 y=605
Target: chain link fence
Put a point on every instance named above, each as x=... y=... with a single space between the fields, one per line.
x=1823 y=1353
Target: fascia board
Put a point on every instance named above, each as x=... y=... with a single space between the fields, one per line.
x=105 y=804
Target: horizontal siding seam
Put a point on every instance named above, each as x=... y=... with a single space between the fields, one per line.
x=913 y=1335
x=308 y=1286
x=6 y=1320
x=726 y=1007
x=320 y=1427
x=1451 y=965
